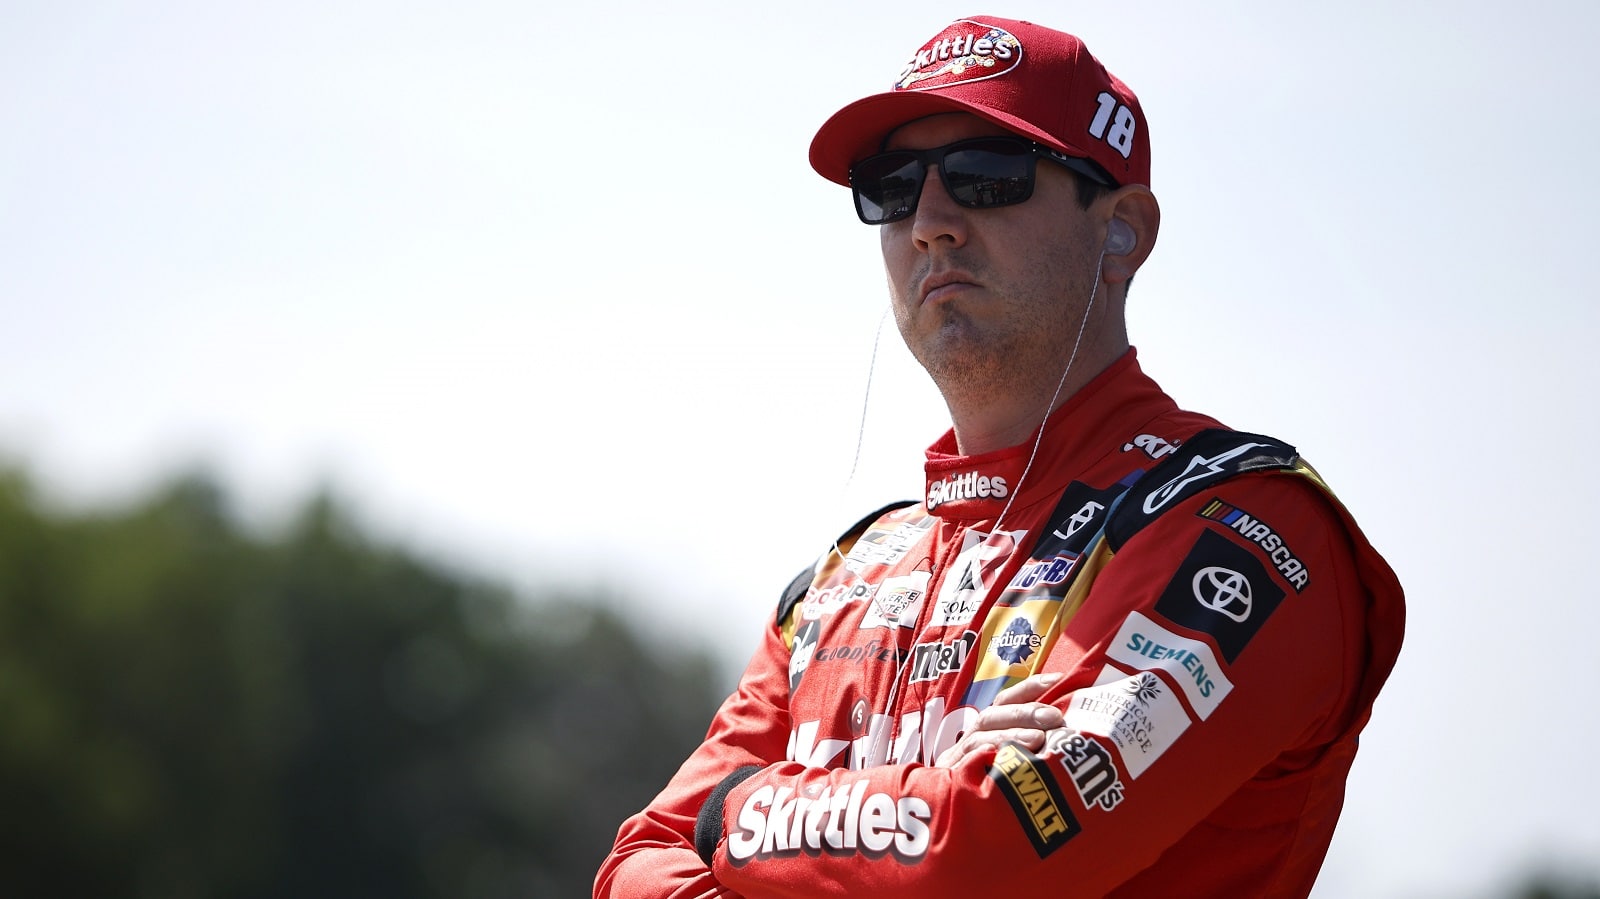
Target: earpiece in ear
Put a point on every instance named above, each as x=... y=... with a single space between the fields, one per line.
x=1120 y=238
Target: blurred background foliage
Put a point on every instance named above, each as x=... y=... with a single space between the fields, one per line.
x=188 y=709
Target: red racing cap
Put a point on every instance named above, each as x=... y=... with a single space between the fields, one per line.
x=1036 y=81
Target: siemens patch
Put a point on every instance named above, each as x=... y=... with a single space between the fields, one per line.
x=1222 y=590
x=1035 y=797
x=1259 y=532
x=1144 y=645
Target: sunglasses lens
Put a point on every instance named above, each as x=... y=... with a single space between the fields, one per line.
x=978 y=174
x=989 y=174
x=886 y=186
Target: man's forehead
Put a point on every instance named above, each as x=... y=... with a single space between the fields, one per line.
x=941 y=128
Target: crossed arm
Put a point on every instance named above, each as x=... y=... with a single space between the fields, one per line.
x=785 y=829
x=1015 y=717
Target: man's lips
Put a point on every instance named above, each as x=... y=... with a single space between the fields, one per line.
x=944 y=284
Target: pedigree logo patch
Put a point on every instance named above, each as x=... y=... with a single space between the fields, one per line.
x=965 y=51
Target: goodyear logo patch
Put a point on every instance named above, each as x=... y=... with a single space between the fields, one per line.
x=1036 y=798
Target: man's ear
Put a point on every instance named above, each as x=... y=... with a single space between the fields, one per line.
x=1133 y=221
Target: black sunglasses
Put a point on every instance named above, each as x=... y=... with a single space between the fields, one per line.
x=979 y=173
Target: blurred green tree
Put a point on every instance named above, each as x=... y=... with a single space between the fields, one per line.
x=188 y=709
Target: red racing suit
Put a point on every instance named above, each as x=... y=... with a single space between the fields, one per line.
x=1222 y=628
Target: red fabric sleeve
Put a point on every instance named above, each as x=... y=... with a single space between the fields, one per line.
x=654 y=854
x=1253 y=718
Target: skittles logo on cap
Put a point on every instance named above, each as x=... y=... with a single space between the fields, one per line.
x=965 y=51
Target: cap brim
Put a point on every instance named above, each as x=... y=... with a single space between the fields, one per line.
x=858 y=130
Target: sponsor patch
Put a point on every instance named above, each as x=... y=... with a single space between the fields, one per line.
x=897 y=602
x=821 y=603
x=965 y=51
x=885 y=546
x=1144 y=645
x=1222 y=590
x=962 y=591
x=1043 y=573
x=1017 y=643
x=1010 y=641
x=1139 y=715
x=1153 y=446
x=1028 y=785
x=920 y=735
x=808 y=747
x=1259 y=532
x=931 y=661
x=845 y=819
x=959 y=596
x=855 y=653
x=1077 y=519
x=1089 y=765
x=982 y=691
x=971 y=485
x=805 y=643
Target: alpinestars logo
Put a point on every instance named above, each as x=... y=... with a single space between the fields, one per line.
x=775 y=823
x=966 y=486
x=1198 y=468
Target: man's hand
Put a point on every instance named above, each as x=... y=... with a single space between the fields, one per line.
x=1014 y=717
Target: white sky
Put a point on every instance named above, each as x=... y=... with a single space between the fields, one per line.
x=554 y=294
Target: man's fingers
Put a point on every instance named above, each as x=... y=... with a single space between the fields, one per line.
x=1025 y=724
x=1027 y=690
x=1016 y=716
x=1031 y=715
x=1031 y=738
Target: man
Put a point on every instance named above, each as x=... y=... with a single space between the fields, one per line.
x=1116 y=649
